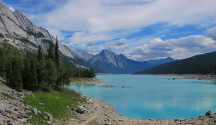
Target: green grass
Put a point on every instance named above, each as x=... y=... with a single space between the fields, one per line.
x=37 y=120
x=56 y=103
x=2 y=84
x=7 y=95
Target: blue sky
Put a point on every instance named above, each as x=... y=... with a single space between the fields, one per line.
x=140 y=29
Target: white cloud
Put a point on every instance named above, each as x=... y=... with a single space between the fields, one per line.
x=100 y=24
x=176 y=48
x=104 y=15
x=212 y=33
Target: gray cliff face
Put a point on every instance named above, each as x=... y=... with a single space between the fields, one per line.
x=86 y=56
x=17 y=30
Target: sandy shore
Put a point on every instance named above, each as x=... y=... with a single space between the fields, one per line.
x=101 y=113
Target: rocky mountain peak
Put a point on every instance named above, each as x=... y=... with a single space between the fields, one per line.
x=107 y=52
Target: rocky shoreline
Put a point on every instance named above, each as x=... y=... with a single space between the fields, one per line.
x=203 y=77
x=194 y=76
x=97 y=112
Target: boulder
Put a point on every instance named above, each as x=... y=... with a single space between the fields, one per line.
x=19 y=94
x=209 y=114
x=8 y=111
x=80 y=109
x=34 y=110
x=49 y=122
x=89 y=101
x=48 y=116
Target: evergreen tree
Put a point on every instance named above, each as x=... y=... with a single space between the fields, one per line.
x=57 y=58
x=40 y=54
x=51 y=51
x=16 y=81
x=42 y=74
x=3 y=63
x=9 y=72
x=52 y=73
x=34 y=80
x=27 y=75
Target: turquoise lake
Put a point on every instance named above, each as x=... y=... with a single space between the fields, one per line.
x=152 y=96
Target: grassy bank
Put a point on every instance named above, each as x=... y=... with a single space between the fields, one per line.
x=57 y=103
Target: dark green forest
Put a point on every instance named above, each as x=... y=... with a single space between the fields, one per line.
x=200 y=64
x=38 y=71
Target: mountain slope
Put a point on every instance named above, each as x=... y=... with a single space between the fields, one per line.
x=112 y=63
x=18 y=31
x=200 y=64
x=161 y=61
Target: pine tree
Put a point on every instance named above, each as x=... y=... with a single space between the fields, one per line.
x=2 y=63
x=57 y=58
x=34 y=80
x=9 y=72
x=51 y=51
x=27 y=75
x=40 y=54
x=42 y=74
x=17 y=74
x=52 y=73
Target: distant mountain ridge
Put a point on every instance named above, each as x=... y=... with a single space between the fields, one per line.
x=18 y=31
x=199 y=64
x=113 y=63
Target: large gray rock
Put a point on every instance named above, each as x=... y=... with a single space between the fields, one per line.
x=35 y=111
x=81 y=109
x=209 y=114
x=48 y=116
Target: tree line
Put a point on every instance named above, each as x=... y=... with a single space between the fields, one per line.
x=35 y=73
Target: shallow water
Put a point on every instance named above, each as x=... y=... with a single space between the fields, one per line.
x=152 y=96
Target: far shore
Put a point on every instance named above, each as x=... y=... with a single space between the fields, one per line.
x=99 y=112
x=188 y=76
x=193 y=76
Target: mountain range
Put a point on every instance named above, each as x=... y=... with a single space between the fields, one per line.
x=199 y=64
x=110 y=62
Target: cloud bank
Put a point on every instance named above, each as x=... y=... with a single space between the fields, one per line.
x=94 y=25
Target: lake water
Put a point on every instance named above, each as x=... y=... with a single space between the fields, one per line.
x=155 y=97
